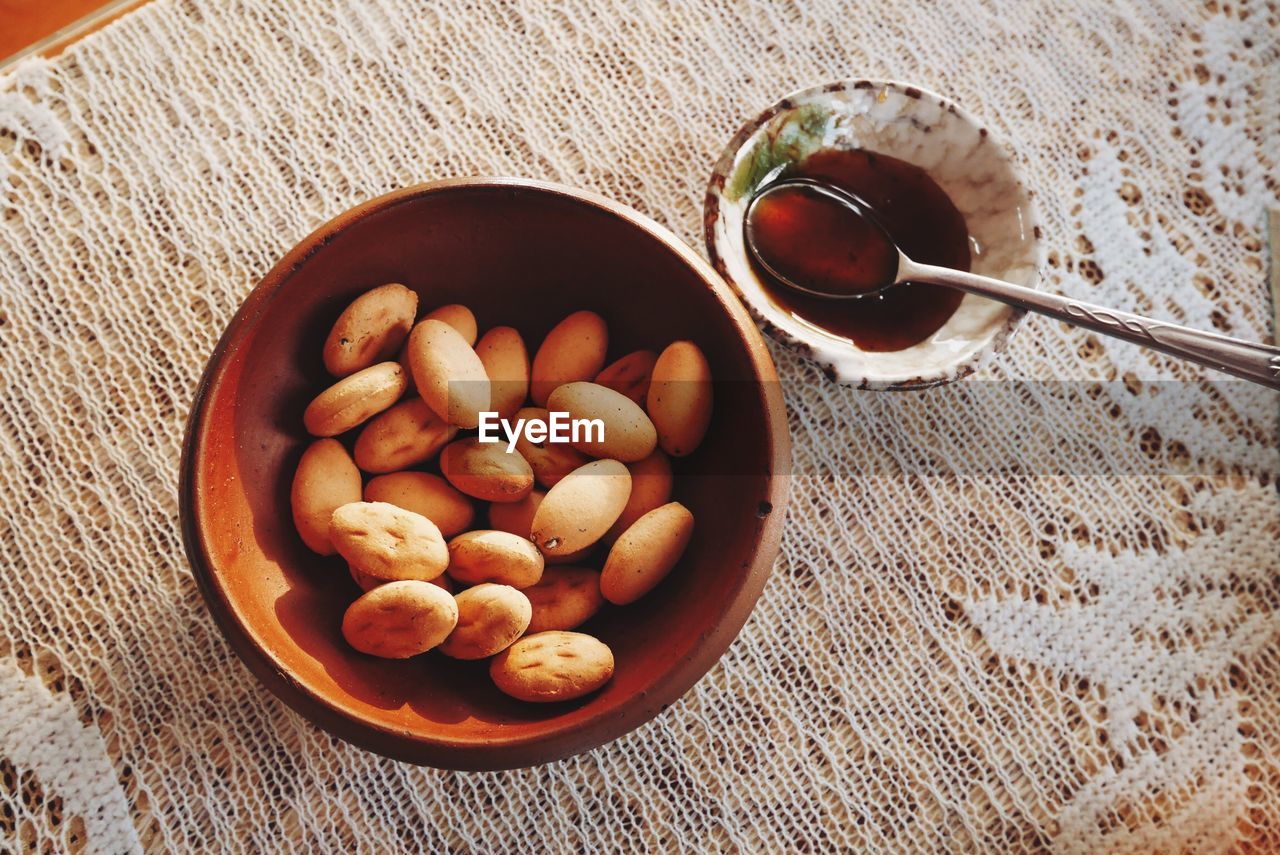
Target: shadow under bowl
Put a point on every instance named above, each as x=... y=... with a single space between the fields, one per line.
x=524 y=254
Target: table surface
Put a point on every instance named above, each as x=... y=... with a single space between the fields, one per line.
x=1033 y=611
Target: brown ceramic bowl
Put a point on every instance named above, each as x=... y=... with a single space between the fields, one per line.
x=519 y=253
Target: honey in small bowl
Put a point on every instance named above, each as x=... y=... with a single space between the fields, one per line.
x=821 y=240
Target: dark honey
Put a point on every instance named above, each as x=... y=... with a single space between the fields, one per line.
x=791 y=214
x=912 y=208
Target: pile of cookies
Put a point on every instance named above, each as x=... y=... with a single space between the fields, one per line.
x=516 y=590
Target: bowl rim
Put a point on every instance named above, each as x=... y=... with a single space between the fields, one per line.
x=485 y=752
x=823 y=350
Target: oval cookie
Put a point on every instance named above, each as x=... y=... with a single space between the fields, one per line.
x=494 y=556
x=651 y=483
x=490 y=618
x=447 y=373
x=355 y=399
x=405 y=435
x=400 y=619
x=506 y=362
x=564 y=598
x=549 y=461
x=645 y=553
x=680 y=398
x=517 y=518
x=326 y=479
x=573 y=350
x=628 y=434
x=426 y=494
x=581 y=508
x=486 y=470
x=388 y=542
x=630 y=375
x=457 y=316
x=552 y=666
x=370 y=330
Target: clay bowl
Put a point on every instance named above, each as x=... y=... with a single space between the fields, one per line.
x=519 y=253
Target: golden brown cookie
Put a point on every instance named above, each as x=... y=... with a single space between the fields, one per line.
x=517 y=518
x=680 y=398
x=573 y=350
x=549 y=461
x=486 y=470
x=388 y=542
x=400 y=619
x=645 y=553
x=326 y=479
x=405 y=435
x=355 y=399
x=494 y=556
x=628 y=434
x=651 y=483
x=552 y=666
x=370 y=330
x=457 y=316
x=448 y=374
x=564 y=598
x=506 y=362
x=630 y=375
x=426 y=494
x=581 y=508
x=490 y=618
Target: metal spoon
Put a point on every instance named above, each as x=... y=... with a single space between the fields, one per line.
x=878 y=264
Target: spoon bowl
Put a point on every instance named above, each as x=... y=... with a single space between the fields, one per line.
x=787 y=213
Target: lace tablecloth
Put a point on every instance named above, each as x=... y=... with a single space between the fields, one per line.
x=1033 y=611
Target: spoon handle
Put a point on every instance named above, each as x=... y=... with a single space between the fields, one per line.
x=1259 y=363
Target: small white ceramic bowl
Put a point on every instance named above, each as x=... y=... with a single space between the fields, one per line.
x=923 y=129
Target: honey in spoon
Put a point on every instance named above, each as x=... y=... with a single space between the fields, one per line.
x=830 y=248
x=799 y=212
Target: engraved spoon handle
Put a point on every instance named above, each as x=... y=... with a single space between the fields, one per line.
x=1259 y=363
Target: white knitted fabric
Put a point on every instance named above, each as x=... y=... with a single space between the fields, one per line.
x=1008 y=615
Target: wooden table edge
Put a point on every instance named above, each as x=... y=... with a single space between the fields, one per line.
x=56 y=43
